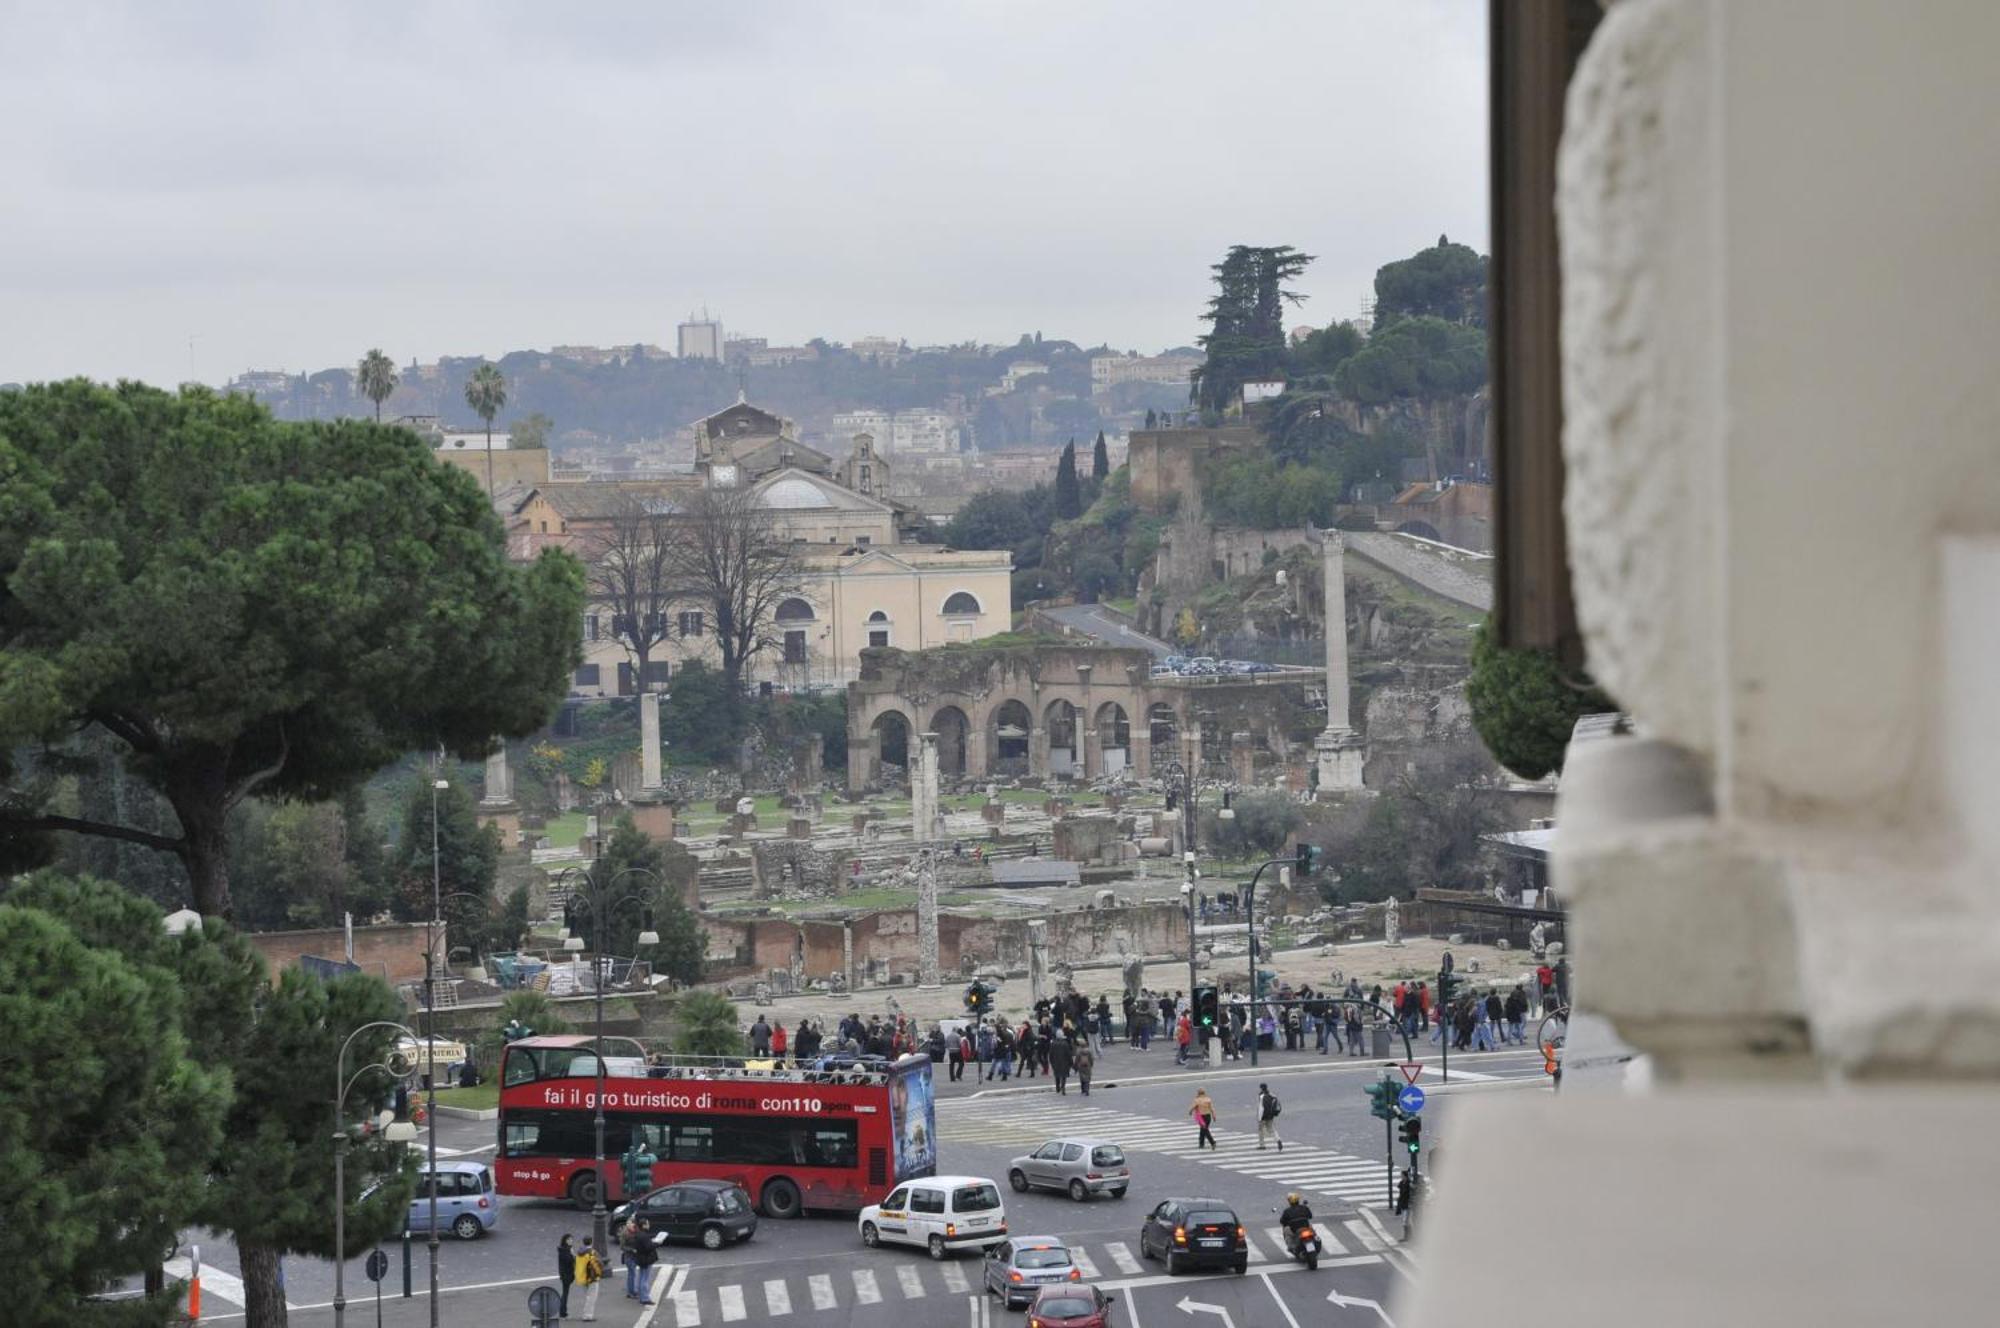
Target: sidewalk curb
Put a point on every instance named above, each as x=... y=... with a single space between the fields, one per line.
x=1182 y=1077
x=470 y=1113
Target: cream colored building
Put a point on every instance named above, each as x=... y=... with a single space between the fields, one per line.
x=864 y=581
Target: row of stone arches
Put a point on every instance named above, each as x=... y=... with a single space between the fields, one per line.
x=1071 y=743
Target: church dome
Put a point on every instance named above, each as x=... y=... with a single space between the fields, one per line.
x=795 y=494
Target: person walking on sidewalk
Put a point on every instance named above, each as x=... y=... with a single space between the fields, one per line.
x=1203 y=1112
x=565 y=1272
x=1061 y=1059
x=1183 y=1039
x=1268 y=1108
x=589 y=1276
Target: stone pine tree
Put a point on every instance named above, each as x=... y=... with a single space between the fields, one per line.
x=267 y=1157
x=378 y=379
x=486 y=393
x=246 y=606
x=1069 y=491
x=1246 y=337
x=109 y=1118
x=270 y=1181
x=1100 y=459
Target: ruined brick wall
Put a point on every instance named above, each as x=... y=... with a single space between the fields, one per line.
x=394 y=951
x=794 y=869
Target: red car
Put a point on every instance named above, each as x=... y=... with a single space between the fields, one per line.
x=1070 y=1307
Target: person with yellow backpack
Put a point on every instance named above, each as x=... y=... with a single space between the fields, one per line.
x=589 y=1276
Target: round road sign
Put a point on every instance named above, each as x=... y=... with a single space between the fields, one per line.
x=1411 y=1099
x=378 y=1265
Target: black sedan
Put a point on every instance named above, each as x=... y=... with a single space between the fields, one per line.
x=1195 y=1233
x=714 y=1212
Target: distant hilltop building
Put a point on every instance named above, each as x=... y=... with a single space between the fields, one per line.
x=908 y=432
x=1107 y=371
x=700 y=338
x=886 y=349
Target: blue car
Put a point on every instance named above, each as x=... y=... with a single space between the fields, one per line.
x=467 y=1207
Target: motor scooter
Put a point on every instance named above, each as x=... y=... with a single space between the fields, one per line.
x=1302 y=1243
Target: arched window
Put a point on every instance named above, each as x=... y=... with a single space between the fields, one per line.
x=878 y=629
x=961 y=604
x=795 y=610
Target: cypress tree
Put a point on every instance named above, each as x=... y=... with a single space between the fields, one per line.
x=1069 y=494
x=1100 y=459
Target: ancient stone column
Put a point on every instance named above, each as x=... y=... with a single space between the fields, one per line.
x=499 y=779
x=927 y=919
x=1038 y=960
x=1339 y=751
x=649 y=740
x=924 y=787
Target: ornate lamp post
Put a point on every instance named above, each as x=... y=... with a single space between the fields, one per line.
x=600 y=911
x=400 y=1132
x=1184 y=788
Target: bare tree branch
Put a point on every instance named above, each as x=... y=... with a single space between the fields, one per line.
x=727 y=552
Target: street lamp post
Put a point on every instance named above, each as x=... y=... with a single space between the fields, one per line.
x=438 y=785
x=600 y=1216
x=1179 y=777
x=397 y=1132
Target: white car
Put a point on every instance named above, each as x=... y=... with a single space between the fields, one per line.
x=940 y=1213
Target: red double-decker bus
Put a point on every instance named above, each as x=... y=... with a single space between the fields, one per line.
x=794 y=1138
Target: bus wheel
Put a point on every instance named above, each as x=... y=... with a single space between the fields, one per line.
x=781 y=1199
x=583 y=1189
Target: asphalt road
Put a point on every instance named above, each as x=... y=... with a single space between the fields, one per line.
x=814 y=1272
x=1094 y=622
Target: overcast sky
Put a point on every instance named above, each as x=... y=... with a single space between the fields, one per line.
x=289 y=184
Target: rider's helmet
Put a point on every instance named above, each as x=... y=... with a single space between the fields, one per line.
x=1293 y=1198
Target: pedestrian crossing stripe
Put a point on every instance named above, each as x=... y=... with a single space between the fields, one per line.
x=774 y=1299
x=1302 y=1166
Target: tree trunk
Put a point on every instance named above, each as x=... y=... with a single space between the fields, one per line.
x=489 y=458
x=205 y=852
x=264 y=1299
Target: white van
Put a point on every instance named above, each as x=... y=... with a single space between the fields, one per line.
x=939 y=1213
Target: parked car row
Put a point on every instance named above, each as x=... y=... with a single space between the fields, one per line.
x=1203 y=666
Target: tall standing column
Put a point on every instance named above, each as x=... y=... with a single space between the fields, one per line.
x=649 y=740
x=927 y=919
x=1339 y=751
x=924 y=787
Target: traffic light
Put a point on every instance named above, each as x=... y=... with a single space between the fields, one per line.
x=1447 y=983
x=1410 y=1132
x=1382 y=1096
x=979 y=998
x=1308 y=859
x=1206 y=1007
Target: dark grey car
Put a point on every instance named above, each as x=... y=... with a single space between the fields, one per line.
x=714 y=1212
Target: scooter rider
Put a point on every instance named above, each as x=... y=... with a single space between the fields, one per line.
x=1297 y=1214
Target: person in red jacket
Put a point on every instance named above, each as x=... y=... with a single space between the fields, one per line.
x=778 y=1043
x=1183 y=1039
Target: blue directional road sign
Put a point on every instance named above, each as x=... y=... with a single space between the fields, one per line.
x=1411 y=1099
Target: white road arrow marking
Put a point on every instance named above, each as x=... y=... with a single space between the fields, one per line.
x=1335 y=1298
x=1188 y=1306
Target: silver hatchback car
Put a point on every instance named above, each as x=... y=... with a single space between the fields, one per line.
x=1017 y=1269
x=1082 y=1167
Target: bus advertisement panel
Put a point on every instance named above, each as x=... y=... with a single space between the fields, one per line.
x=794 y=1139
x=913 y=1118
